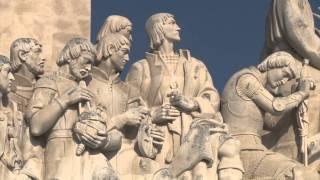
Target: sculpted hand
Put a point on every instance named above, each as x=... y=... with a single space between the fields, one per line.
x=135 y=115
x=157 y=137
x=76 y=95
x=92 y=138
x=164 y=113
x=306 y=84
x=183 y=103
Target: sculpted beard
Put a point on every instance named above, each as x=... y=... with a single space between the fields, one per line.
x=35 y=69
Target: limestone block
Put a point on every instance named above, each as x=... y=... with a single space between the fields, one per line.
x=52 y=22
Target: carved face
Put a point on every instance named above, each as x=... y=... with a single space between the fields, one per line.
x=126 y=32
x=35 y=60
x=81 y=66
x=6 y=79
x=171 y=30
x=278 y=76
x=120 y=58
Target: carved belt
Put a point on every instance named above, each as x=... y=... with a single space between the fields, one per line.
x=60 y=133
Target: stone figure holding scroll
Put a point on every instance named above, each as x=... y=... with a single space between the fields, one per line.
x=247 y=96
x=178 y=89
x=10 y=152
x=54 y=111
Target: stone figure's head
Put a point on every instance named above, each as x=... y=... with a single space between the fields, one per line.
x=28 y=52
x=280 y=68
x=6 y=77
x=160 y=27
x=114 y=49
x=115 y=24
x=79 y=55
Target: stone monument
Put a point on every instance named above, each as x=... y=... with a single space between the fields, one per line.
x=80 y=121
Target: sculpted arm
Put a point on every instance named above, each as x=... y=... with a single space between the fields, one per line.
x=300 y=34
x=249 y=87
x=208 y=97
x=44 y=110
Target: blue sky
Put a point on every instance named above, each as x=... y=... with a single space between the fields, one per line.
x=226 y=35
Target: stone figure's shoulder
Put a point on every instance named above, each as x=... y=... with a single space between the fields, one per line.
x=47 y=81
x=140 y=63
x=187 y=55
x=140 y=66
x=247 y=85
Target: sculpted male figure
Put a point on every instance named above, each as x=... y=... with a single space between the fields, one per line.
x=112 y=93
x=245 y=100
x=178 y=89
x=290 y=27
x=10 y=152
x=54 y=111
x=27 y=63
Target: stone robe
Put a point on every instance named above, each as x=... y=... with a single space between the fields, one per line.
x=112 y=94
x=151 y=79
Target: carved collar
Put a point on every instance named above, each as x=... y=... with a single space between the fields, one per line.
x=101 y=75
x=21 y=80
x=154 y=56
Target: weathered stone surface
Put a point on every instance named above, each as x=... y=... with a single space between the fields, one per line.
x=52 y=22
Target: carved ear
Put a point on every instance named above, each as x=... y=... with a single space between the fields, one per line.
x=22 y=55
x=111 y=49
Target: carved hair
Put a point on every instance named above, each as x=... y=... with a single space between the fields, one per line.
x=154 y=28
x=115 y=40
x=279 y=60
x=74 y=48
x=113 y=24
x=23 y=45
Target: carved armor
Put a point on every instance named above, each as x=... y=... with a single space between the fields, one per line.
x=244 y=102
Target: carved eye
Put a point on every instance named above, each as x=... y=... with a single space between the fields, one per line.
x=207 y=96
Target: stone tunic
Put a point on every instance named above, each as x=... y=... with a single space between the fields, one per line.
x=151 y=79
x=32 y=147
x=61 y=162
x=112 y=94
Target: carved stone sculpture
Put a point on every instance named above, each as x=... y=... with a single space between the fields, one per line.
x=290 y=27
x=115 y=24
x=54 y=111
x=27 y=63
x=10 y=153
x=112 y=55
x=178 y=89
x=249 y=94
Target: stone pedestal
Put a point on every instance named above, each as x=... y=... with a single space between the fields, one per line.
x=52 y=22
